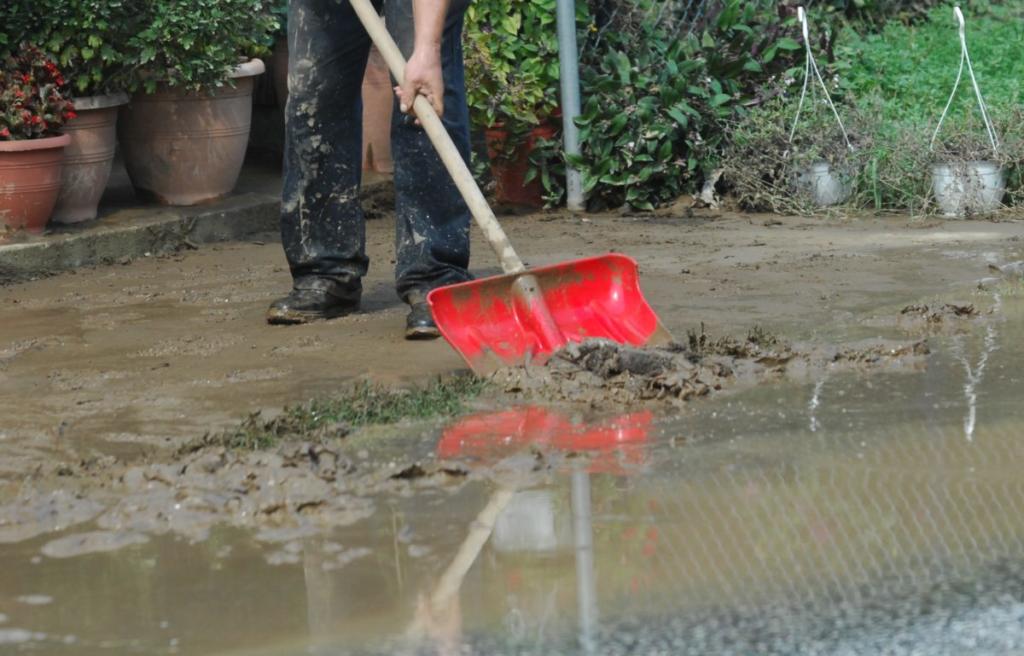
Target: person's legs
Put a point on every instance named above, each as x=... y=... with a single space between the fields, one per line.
x=432 y=231
x=322 y=226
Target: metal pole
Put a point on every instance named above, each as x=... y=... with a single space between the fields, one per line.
x=568 y=57
x=586 y=586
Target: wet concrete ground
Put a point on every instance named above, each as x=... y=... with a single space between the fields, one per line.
x=848 y=513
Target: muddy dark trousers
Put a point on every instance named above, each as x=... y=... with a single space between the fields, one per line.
x=322 y=224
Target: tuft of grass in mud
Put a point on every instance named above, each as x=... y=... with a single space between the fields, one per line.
x=701 y=344
x=335 y=417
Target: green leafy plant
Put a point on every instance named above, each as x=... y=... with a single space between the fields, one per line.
x=511 y=52
x=657 y=105
x=88 y=39
x=34 y=101
x=195 y=44
x=512 y=68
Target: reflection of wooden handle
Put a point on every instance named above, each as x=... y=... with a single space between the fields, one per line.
x=479 y=533
x=435 y=129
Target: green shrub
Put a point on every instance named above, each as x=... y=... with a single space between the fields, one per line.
x=657 y=106
x=912 y=68
x=195 y=44
x=512 y=69
x=86 y=38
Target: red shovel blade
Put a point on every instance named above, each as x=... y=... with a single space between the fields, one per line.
x=598 y=297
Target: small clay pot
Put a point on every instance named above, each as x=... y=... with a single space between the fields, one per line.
x=968 y=188
x=88 y=158
x=30 y=172
x=185 y=147
x=510 y=173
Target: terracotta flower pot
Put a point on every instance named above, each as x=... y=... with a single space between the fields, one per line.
x=509 y=174
x=88 y=158
x=378 y=103
x=30 y=172
x=184 y=148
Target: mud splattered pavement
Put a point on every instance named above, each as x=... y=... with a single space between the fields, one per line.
x=127 y=359
x=106 y=373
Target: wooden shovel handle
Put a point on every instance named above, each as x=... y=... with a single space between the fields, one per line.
x=435 y=129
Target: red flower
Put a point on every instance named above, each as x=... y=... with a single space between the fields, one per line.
x=30 y=91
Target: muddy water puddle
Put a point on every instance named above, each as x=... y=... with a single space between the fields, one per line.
x=846 y=514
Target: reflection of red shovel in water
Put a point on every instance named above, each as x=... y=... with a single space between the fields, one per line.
x=490 y=436
x=612 y=444
x=523 y=316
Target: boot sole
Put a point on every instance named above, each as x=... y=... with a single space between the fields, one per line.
x=422 y=333
x=295 y=317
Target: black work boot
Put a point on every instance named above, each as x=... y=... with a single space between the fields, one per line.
x=305 y=305
x=420 y=324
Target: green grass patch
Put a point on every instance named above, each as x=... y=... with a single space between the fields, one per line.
x=912 y=68
x=334 y=417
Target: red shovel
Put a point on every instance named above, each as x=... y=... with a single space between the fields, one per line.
x=523 y=316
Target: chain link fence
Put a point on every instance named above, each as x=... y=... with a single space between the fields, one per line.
x=675 y=18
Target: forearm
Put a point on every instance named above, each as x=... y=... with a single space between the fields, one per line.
x=429 y=18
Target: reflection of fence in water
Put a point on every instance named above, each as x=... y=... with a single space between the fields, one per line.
x=907 y=511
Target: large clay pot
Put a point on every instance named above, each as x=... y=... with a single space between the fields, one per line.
x=378 y=104
x=30 y=181
x=510 y=172
x=88 y=158
x=184 y=148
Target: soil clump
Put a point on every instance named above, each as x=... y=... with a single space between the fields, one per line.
x=602 y=374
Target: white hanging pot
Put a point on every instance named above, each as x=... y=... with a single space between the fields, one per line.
x=825 y=186
x=968 y=188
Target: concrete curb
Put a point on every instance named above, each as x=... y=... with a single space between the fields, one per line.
x=133 y=233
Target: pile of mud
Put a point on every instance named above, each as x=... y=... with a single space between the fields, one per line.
x=602 y=373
